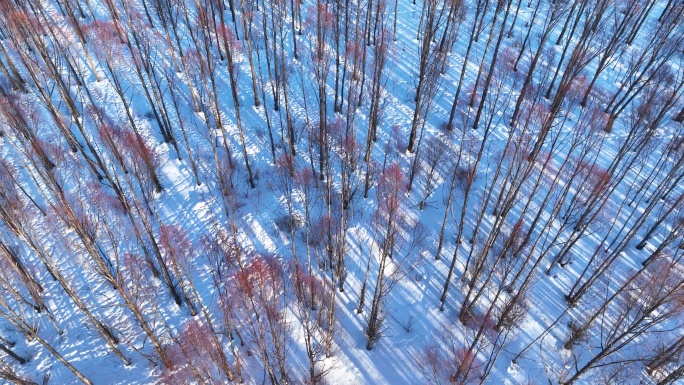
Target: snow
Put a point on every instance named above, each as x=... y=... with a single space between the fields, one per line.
x=414 y=320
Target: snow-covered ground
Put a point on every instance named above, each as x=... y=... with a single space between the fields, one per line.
x=579 y=165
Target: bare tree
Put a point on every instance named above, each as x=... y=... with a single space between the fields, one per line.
x=396 y=247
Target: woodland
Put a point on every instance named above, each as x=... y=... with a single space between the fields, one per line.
x=341 y=191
